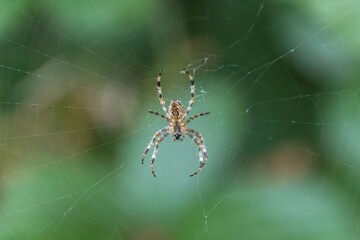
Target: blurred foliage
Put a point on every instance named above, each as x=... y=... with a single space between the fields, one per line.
x=280 y=79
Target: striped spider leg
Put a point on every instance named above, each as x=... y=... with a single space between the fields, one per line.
x=160 y=95
x=158 y=134
x=177 y=125
x=156 y=148
x=192 y=92
x=196 y=116
x=200 y=141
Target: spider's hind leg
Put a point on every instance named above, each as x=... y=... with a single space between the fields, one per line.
x=153 y=157
x=203 y=156
x=156 y=135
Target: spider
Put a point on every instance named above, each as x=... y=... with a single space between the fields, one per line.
x=177 y=125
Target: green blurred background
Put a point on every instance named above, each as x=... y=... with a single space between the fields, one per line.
x=280 y=78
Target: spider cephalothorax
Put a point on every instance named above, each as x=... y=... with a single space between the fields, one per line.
x=176 y=110
x=177 y=126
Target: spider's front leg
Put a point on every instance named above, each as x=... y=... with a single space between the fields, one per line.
x=192 y=92
x=160 y=94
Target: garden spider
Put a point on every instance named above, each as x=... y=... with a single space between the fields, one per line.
x=177 y=126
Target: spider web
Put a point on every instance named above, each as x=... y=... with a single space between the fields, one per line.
x=279 y=78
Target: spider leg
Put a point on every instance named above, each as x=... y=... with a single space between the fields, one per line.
x=157 y=134
x=192 y=92
x=160 y=95
x=153 y=157
x=191 y=132
x=158 y=114
x=201 y=157
x=196 y=116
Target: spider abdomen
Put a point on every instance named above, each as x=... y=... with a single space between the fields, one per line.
x=177 y=128
x=177 y=132
x=177 y=136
